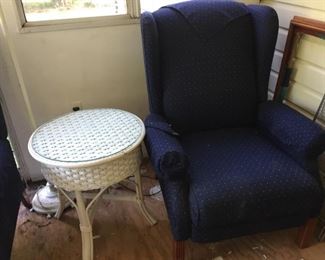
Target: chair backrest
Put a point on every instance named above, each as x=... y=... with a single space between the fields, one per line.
x=208 y=62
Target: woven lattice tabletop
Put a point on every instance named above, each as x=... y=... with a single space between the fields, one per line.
x=79 y=138
x=89 y=149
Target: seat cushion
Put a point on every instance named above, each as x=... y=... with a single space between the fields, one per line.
x=237 y=176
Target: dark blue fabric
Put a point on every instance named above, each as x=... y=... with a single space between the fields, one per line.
x=239 y=176
x=3 y=128
x=176 y=194
x=158 y=122
x=164 y=147
x=166 y=153
x=151 y=61
x=199 y=75
x=295 y=134
x=207 y=18
x=206 y=235
x=7 y=164
x=266 y=24
x=10 y=193
x=207 y=67
x=10 y=197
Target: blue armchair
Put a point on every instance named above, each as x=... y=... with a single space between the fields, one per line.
x=229 y=162
x=10 y=193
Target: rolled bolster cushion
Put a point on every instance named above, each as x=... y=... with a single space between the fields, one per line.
x=174 y=164
x=165 y=150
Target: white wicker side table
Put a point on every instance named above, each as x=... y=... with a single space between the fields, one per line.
x=90 y=150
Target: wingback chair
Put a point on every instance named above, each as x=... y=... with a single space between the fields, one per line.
x=229 y=162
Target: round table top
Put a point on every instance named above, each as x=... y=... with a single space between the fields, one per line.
x=86 y=137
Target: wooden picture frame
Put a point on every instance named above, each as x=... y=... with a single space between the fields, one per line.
x=298 y=27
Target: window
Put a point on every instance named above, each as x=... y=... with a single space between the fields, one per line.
x=44 y=15
x=153 y=5
x=45 y=10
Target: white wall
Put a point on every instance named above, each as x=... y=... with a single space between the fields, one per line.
x=101 y=67
x=14 y=106
x=308 y=80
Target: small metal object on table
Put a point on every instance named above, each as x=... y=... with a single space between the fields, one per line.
x=90 y=150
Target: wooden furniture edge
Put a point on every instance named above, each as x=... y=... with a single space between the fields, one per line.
x=297 y=25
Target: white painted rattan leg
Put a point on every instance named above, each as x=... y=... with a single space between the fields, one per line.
x=61 y=207
x=92 y=210
x=139 y=198
x=92 y=206
x=85 y=228
x=86 y=216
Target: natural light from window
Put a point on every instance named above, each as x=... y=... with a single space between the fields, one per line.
x=45 y=10
x=153 y=5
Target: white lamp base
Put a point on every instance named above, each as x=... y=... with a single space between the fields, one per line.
x=46 y=200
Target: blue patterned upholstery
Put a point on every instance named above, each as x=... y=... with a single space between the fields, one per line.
x=3 y=128
x=167 y=153
x=298 y=136
x=229 y=162
x=250 y=180
x=266 y=31
x=196 y=48
x=10 y=193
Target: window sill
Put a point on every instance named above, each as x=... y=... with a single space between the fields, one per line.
x=78 y=23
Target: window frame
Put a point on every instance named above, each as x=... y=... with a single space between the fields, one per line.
x=132 y=17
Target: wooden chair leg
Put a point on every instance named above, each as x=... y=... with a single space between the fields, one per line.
x=178 y=250
x=306 y=232
x=25 y=200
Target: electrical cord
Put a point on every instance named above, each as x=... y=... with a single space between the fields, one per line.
x=133 y=190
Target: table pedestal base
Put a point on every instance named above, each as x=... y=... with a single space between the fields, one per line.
x=46 y=200
x=86 y=212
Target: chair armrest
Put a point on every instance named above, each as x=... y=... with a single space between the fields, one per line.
x=9 y=175
x=165 y=150
x=297 y=135
x=170 y=163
